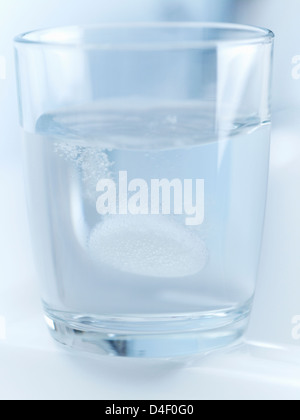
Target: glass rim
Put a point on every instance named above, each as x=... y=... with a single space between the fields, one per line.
x=255 y=35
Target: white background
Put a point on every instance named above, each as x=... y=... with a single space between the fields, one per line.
x=30 y=365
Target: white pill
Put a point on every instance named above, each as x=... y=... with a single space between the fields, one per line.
x=152 y=246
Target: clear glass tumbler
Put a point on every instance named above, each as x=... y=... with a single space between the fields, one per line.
x=146 y=155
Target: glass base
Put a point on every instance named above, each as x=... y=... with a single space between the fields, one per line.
x=149 y=337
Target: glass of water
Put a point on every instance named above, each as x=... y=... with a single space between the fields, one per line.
x=146 y=158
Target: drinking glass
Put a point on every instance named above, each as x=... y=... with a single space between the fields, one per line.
x=146 y=163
